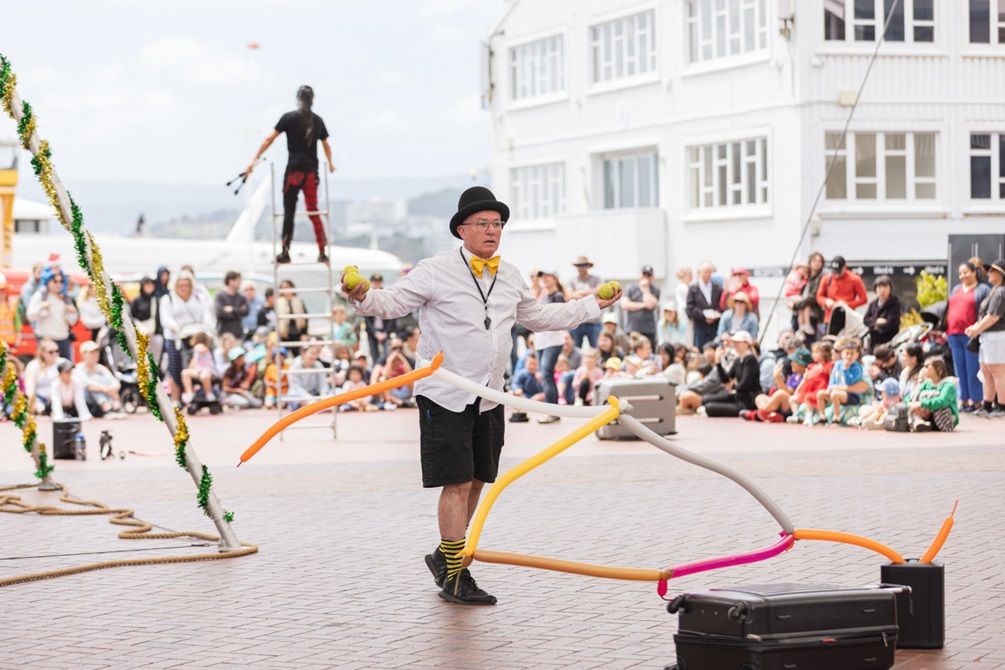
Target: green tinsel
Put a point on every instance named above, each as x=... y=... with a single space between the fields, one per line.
x=36 y=162
x=8 y=396
x=29 y=438
x=3 y=358
x=7 y=83
x=228 y=516
x=19 y=419
x=205 y=484
x=79 y=243
x=4 y=73
x=179 y=458
x=150 y=392
x=26 y=126
x=44 y=469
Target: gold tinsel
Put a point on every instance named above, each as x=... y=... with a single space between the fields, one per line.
x=98 y=286
x=181 y=430
x=45 y=177
x=142 y=364
x=20 y=405
x=8 y=95
x=10 y=377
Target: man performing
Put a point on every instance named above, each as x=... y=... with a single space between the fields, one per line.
x=303 y=129
x=467 y=300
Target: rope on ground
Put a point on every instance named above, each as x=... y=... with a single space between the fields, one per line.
x=138 y=530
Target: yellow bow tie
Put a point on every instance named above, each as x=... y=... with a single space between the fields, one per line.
x=478 y=265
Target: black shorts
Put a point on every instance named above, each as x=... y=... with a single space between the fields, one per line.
x=458 y=447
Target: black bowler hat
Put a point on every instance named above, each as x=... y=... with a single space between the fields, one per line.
x=476 y=199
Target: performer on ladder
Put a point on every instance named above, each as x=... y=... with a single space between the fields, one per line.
x=303 y=129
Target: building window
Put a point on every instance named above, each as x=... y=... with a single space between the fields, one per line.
x=537 y=68
x=987 y=21
x=631 y=181
x=728 y=174
x=538 y=191
x=987 y=169
x=881 y=166
x=624 y=47
x=863 y=20
x=722 y=28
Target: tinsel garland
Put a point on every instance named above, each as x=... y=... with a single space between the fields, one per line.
x=8 y=82
x=21 y=416
x=111 y=306
x=205 y=484
x=180 y=440
x=26 y=126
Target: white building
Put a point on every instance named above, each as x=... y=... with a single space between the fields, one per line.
x=665 y=132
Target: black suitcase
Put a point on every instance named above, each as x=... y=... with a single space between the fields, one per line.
x=786 y=627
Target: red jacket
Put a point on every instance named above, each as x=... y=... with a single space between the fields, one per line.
x=848 y=288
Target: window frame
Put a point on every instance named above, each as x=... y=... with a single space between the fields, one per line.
x=515 y=99
x=853 y=180
x=996 y=25
x=705 y=185
x=996 y=176
x=615 y=158
x=628 y=49
x=694 y=57
x=876 y=24
x=526 y=207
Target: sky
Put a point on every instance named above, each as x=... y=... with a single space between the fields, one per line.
x=169 y=92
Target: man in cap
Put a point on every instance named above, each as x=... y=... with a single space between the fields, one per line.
x=641 y=300
x=840 y=286
x=467 y=300
x=580 y=286
x=101 y=388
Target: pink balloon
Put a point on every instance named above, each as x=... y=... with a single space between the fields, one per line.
x=738 y=559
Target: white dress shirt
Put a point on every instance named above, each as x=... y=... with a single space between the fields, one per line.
x=452 y=315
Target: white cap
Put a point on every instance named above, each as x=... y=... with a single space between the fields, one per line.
x=611 y=318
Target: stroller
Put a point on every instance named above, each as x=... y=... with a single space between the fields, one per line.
x=846 y=322
x=123 y=368
x=200 y=399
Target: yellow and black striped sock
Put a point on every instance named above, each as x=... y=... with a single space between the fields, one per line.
x=452 y=550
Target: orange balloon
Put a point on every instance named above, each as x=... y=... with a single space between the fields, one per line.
x=339 y=399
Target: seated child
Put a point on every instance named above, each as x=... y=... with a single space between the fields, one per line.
x=803 y=401
x=354 y=381
x=847 y=382
x=201 y=367
x=776 y=407
x=587 y=375
x=870 y=417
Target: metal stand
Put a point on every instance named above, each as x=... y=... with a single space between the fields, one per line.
x=327 y=290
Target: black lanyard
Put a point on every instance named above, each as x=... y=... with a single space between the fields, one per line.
x=478 y=285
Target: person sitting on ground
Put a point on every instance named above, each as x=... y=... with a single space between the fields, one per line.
x=395 y=365
x=872 y=416
x=355 y=381
x=769 y=360
x=221 y=354
x=527 y=383
x=586 y=377
x=803 y=402
x=273 y=390
x=642 y=350
x=882 y=317
x=101 y=388
x=935 y=407
x=343 y=332
x=742 y=380
x=670 y=329
x=39 y=375
x=201 y=368
x=610 y=326
x=308 y=386
x=689 y=398
x=608 y=348
x=563 y=375
x=237 y=379
x=886 y=365
x=67 y=394
x=847 y=383
x=739 y=317
x=775 y=407
x=672 y=363
x=912 y=357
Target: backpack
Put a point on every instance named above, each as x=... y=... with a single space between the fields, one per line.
x=895 y=420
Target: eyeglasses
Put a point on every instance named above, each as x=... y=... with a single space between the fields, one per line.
x=482 y=224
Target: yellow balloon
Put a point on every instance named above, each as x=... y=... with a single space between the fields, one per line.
x=606 y=292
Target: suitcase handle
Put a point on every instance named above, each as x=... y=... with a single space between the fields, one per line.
x=677 y=605
x=740 y=612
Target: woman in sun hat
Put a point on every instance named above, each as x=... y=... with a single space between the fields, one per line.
x=739 y=316
x=990 y=329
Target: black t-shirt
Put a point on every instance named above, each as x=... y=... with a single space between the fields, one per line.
x=642 y=320
x=303 y=155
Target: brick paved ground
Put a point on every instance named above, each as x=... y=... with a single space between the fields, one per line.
x=342 y=526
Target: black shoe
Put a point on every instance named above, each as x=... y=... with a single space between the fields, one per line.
x=323 y=257
x=519 y=417
x=463 y=590
x=283 y=256
x=549 y=419
x=437 y=564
